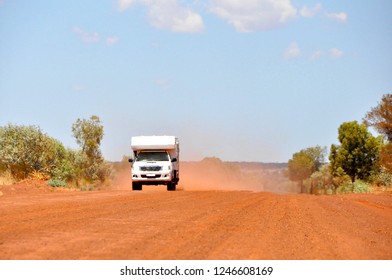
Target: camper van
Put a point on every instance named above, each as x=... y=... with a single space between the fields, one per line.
x=155 y=161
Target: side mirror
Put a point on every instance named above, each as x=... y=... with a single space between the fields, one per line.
x=174 y=160
x=130 y=160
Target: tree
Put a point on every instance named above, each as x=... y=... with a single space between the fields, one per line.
x=304 y=163
x=321 y=180
x=88 y=134
x=386 y=157
x=358 y=154
x=380 y=117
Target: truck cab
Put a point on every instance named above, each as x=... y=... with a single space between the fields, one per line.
x=155 y=161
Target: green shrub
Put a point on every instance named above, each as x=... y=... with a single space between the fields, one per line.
x=382 y=178
x=345 y=188
x=26 y=151
x=322 y=182
x=56 y=183
x=360 y=187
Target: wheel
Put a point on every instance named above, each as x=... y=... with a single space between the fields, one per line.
x=171 y=186
x=136 y=187
x=175 y=178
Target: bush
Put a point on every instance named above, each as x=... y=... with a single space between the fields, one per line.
x=321 y=182
x=344 y=188
x=382 y=178
x=67 y=168
x=56 y=183
x=24 y=149
x=357 y=187
x=28 y=152
x=360 y=187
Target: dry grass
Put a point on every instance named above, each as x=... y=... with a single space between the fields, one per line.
x=6 y=179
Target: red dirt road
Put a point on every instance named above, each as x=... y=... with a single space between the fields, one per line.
x=156 y=224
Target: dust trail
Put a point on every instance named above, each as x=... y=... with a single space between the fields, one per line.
x=214 y=174
x=121 y=178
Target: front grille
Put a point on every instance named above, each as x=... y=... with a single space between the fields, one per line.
x=151 y=168
x=154 y=176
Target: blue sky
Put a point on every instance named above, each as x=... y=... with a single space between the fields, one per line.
x=240 y=80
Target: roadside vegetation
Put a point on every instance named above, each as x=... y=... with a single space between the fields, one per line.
x=28 y=152
x=360 y=163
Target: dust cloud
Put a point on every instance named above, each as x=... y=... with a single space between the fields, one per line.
x=216 y=175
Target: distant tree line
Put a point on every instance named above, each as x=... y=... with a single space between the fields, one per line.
x=359 y=161
x=26 y=151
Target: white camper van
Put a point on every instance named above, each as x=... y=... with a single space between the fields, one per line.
x=155 y=161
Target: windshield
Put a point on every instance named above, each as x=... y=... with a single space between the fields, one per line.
x=152 y=156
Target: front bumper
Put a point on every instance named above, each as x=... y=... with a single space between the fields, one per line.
x=145 y=177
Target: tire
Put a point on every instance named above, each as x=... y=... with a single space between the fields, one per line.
x=136 y=187
x=171 y=186
x=176 y=179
